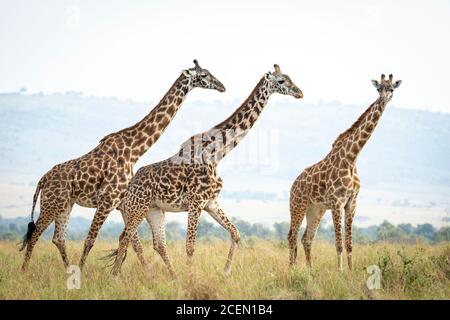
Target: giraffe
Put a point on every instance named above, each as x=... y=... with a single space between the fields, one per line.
x=333 y=183
x=188 y=181
x=99 y=178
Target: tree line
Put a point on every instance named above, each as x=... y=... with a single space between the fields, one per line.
x=14 y=229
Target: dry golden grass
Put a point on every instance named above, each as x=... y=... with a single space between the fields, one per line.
x=260 y=271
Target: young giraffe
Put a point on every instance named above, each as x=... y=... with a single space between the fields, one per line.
x=333 y=183
x=99 y=178
x=188 y=181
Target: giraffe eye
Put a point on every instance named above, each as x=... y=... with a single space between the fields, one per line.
x=281 y=81
x=203 y=75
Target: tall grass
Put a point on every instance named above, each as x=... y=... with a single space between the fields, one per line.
x=260 y=271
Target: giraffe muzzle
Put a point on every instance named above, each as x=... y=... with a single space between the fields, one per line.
x=221 y=87
x=298 y=95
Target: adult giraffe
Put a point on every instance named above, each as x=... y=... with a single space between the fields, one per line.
x=188 y=181
x=333 y=183
x=99 y=178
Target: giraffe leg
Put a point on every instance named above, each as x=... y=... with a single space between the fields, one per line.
x=124 y=240
x=217 y=213
x=337 y=221
x=99 y=218
x=313 y=217
x=350 y=210
x=134 y=219
x=55 y=205
x=46 y=217
x=136 y=243
x=156 y=219
x=298 y=209
x=138 y=249
x=59 y=235
x=193 y=220
x=108 y=199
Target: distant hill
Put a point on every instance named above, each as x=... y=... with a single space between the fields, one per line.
x=408 y=148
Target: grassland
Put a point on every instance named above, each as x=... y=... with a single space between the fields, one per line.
x=260 y=272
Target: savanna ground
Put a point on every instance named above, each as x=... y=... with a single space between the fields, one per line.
x=260 y=271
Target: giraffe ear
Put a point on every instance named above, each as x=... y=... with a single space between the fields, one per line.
x=397 y=84
x=375 y=83
x=270 y=75
x=190 y=72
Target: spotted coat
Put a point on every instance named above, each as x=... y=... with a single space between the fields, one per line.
x=333 y=183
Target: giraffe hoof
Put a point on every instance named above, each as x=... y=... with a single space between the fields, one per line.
x=227 y=272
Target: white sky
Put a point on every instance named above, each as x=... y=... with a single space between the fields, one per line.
x=135 y=49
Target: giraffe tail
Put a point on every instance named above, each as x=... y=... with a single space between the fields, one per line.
x=31 y=225
x=109 y=258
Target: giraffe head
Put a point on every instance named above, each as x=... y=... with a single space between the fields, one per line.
x=202 y=78
x=282 y=83
x=386 y=87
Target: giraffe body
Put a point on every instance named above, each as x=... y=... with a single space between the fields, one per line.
x=188 y=181
x=174 y=187
x=333 y=183
x=330 y=184
x=100 y=178
x=180 y=186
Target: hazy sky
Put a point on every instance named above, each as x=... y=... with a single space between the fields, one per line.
x=136 y=49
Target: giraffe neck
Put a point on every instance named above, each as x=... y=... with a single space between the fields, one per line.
x=212 y=145
x=354 y=139
x=141 y=136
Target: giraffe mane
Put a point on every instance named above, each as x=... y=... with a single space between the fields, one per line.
x=354 y=126
x=136 y=124
x=116 y=133
x=218 y=126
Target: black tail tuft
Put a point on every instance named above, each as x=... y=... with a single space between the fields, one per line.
x=109 y=258
x=27 y=236
x=111 y=255
x=31 y=225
